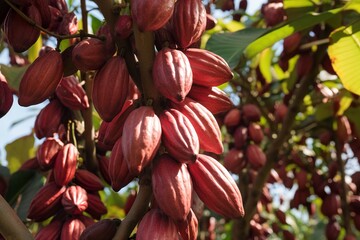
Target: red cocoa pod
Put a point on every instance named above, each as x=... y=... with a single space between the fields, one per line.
x=255 y=156
x=216 y=187
x=96 y=207
x=332 y=230
x=89 y=54
x=41 y=79
x=356 y=219
x=48 y=120
x=274 y=13
x=68 y=25
x=46 y=202
x=210 y=22
x=60 y=5
x=177 y=190
x=208 y=69
x=255 y=133
x=240 y=137
x=141 y=138
x=130 y=201
x=354 y=204
x=188 y=22
x=157 y=13
x=251 y=112
x=72 y=229
x=51 y=231
x=88 y=180
x=232 y=118
x=105 y=31
x=104 y=229
x=103 y=163
x=188 y=228
x=123 y=26
x=179 y=136
x=74 y=200
x=331 y=205
x=56 y=18
x=280 y=112
x=47 y=152
x=155 y=225
x=343 y=131
x=65 y=164
x=214 y=99
x=71 y=94
x=234 y=160
x=30 y=164
x=304 y=64
x=118 y=169
x=204 y=123
x=292 y=43
x=327 y=65
x=44 y=10
x=111 y=85
x=16 y=27
x=6 y=96
x=172 y=74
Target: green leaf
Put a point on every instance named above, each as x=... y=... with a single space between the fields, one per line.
x=344 y=52
x=34 y=50
x=324 y=111
x=230 y=45
x=345 y=102
x=95 y=23
x=297 y=8
x=13 y=75
x=265 y=64
x=15 y=157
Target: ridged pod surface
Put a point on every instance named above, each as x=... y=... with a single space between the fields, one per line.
x=255 y=155
x=71 y=94
x=205 y=125
x=46 y=153
x=6 y=96
x=74 y=200
x=209 y=69
x=88 y=180
x=110 y=88
x=172 y=74
x=104 y=229
x=188 y=228
x=171 y=183
x=141 y=138
x=65 y=164
x=96 y=207
x=51 y=231
x=41 y=79
x=72 y=229
x=179 y=136
x=216 y=187
x=151 y=15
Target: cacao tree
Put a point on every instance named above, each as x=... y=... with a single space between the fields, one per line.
x=181 y=119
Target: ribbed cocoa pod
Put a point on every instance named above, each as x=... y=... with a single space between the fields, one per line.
x=177 y=190
x=343 y=131
x=46 y=202
x=118 y=170
x=41 y=78
x=208 y=69
x=232 y=118
x=48 y=120
x=110 y=89
x=44 y=10
x=68 y=25
x=234 y=160
x=16 y=27
x=188 y=228
x=71 y=94
x=151 y=15
x=255 y=156
x=74 y=200
x=56 y=17
x=51 y=231
x=251 y=112
x=331 y=205
x=332 y=230
x=6 y=96
x=130 y=201
x=255 y=133
x=96 y=207
x=88 y=221
x=88 y=180
x=65 y=164
x=188 y=22
x=214 y=99
x=172 y=74
x=240 y=137
x=105 y=31
x=47 y=152
x=141 y=138
x=89 y=54
x=123 y=26
x=292 y=42
x=104 y=229
x=179 y=136
x=281 y=111
x=274 y=13
x=216 y=187
x=304 y=64
x=72 y=229
x=60 y=5
x=204 y=123
x=155 y=225
x=103 y=162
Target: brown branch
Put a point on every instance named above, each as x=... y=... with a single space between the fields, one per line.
x=11 y=227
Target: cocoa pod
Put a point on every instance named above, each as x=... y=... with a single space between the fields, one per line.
x=188 y=228
x=274 y=13
x=179 y=136
x=110 y=88
x=301 y=178
x=210 y=22
x=332 y=230
x=88 y=221
x=153 y=18
x=104 y=229
x=177 y=190
x=216 y=187
x=255 y=156
x=130 y=201
x=281 y=216
x=88 y=180
x=234 y=160
x=41 y=79
x=330 y=205
x=47 y=152
x=71 y=94
x=327 y=65
x=240 y=137
x=255 y=133
x=16 y=27
x=304 y=64
x=172 y=74
x=96 y=207
x=208 y=69
x=251 y=112
x=30 y=164
x=72 y=229
x=118 y=170
x=6 y=99
x=61 y=5
x=188 y=22
x=68 y=25
x=123 y=26
x=51 y=231
x=232 y=118
x=356 y=219
x=65 y=165
x=292 y=43
x=74 y=200
x=103 y=162
x=204 y=123
x=155 y=225
x=105 y=31
x=343 y=131
x=141 y=138
x=46 y=202
x=281 y=111
x=56 y=17
x=214 y=99
x=48 y=120
x=44 y=10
